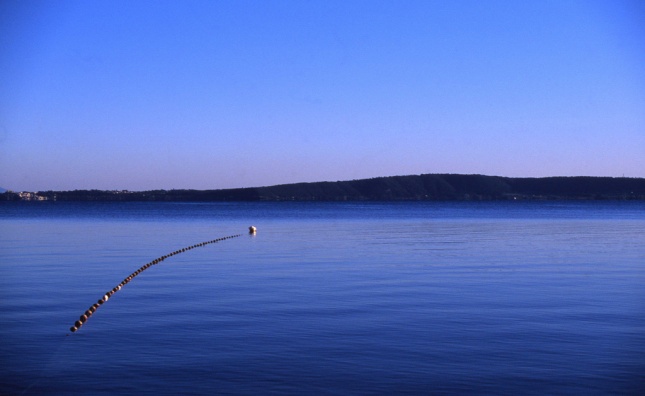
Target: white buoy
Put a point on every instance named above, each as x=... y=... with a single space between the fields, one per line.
x=253 y=230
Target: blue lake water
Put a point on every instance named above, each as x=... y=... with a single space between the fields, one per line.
x=328 y=298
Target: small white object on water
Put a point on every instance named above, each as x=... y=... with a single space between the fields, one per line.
x=253 y=230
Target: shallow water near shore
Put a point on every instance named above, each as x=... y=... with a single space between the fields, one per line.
x=327 y=298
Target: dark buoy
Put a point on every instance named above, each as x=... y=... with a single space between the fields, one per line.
x=253 y=230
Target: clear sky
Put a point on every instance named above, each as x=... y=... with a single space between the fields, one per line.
x=217 y=94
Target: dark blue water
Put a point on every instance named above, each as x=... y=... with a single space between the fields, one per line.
x=327 y=298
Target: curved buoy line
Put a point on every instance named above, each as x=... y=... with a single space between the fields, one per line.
x=92 y=309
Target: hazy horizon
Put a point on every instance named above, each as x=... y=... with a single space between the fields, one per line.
x=214 y=95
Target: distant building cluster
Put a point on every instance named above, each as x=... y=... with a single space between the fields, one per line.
x=31 y=196
x=76 y=195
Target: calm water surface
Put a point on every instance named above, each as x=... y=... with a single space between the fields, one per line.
x=327 y=298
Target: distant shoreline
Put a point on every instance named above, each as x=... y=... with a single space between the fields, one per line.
x=426 y=187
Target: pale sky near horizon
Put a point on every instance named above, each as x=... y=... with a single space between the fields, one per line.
x=145 y=95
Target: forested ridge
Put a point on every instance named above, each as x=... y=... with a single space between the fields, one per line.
x=393 y=188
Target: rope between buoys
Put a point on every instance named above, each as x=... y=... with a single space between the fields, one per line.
x=92 y=309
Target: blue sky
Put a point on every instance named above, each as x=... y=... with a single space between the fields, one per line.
x=217 y=94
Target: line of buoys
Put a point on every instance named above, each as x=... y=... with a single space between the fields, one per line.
x=92 y=309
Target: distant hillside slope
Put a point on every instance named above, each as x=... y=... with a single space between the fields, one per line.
x=394 y=188
x=460 y=187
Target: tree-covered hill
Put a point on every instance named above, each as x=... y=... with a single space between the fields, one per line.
x=394 y=188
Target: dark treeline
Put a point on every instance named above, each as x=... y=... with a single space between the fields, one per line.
x=394 y=188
